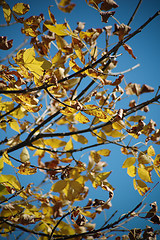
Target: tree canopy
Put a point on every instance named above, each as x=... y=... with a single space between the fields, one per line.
x=64 y=110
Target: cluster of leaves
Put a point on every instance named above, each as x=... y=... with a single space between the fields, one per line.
x=53 y=91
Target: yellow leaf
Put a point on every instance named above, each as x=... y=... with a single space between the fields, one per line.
x=104 y=152
x=21 y=8
x=118 y=125
x=157 y=160
x=81 y=118
x=115 y=133
x=24 y=156
x=100 y=178
x=54 y=142
x=23 y=170
x=131 y=171
x=74 y=65
x=95 y=111
x=59 y=186
x=1 y=164
x=6 y=159
x=10 y=180
x=140 y=186
x=95 y=156
x=101 y=138
x=151 y=151
x=144 y=175
x=14 y=124
x=68 y=111
x=136 y=118
x=7 y=12
x=80 y=138
x=35 y=65
x=59 y=29
x=80 y=55
x=69 y=145
x=129 y=162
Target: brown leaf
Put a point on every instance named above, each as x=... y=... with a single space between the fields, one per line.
x=133 y=88
x=4 y=43
x=129 y=50
x=118 y=80
x=80 y=26
x=145 y=89
x=105 y=15
x=108 y=4
x=121 y=30
x=155 y=219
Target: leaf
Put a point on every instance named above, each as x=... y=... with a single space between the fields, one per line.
x=6 y=159
x=59 y=29
x=118 y=125
x=69 y=145
x=95 y=156
x=100 y=178
x=144 y=175
x=66 y=6
x=151 y=151
x=129 y=50
x=80 y=138
x=140 y=186
x=74 y=66
x=21 y=8
x=6 y=11
x=81 y=118
x=59 y=186
x=24 y=156
x=104 y=152
x=23 y=170
x=136 y=118
x=95 y=111
x=14 y=124
x=5 y=44
x=157 y=160
x=131 y=171
x=144 y=158
x=129 y=162
x=54 y=142
x=35 y=65
x=10 y=181
x=1 y=164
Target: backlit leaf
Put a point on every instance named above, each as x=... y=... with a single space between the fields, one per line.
x=1 y=164
x=95 y=111
x=59 y=29
x=24 y=156
x=95 y=156
x=14 y=124
x=144 y=175
x=69 y=145
x=100 y=178
x=7 y=12
x=140 y=186
x=81 y=118
x=10 y=180
x=55 y=142
x=129 y=162
x=151 y=151
x=157 y=160
x=23 y=170
x=6 y=159
x=131 y=171
x=104 y=152
x=59 y=186
x=80 y=138
x=21 y=8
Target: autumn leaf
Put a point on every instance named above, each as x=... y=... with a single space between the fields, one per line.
x=21 y=8
x=140 y=186
x=80 y=138
x=144 y=175
x=5 y=44
x=131 y=171
x=6 y=11
x=104 y=152
x=129 y=50
x=129 y=162
x=81 y=118
x=24 y=156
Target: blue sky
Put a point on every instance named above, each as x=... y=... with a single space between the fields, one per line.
x=146 y=48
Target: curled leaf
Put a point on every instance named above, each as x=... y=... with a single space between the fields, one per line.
x=4 y=43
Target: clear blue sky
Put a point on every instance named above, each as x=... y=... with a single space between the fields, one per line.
x=146 y=48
